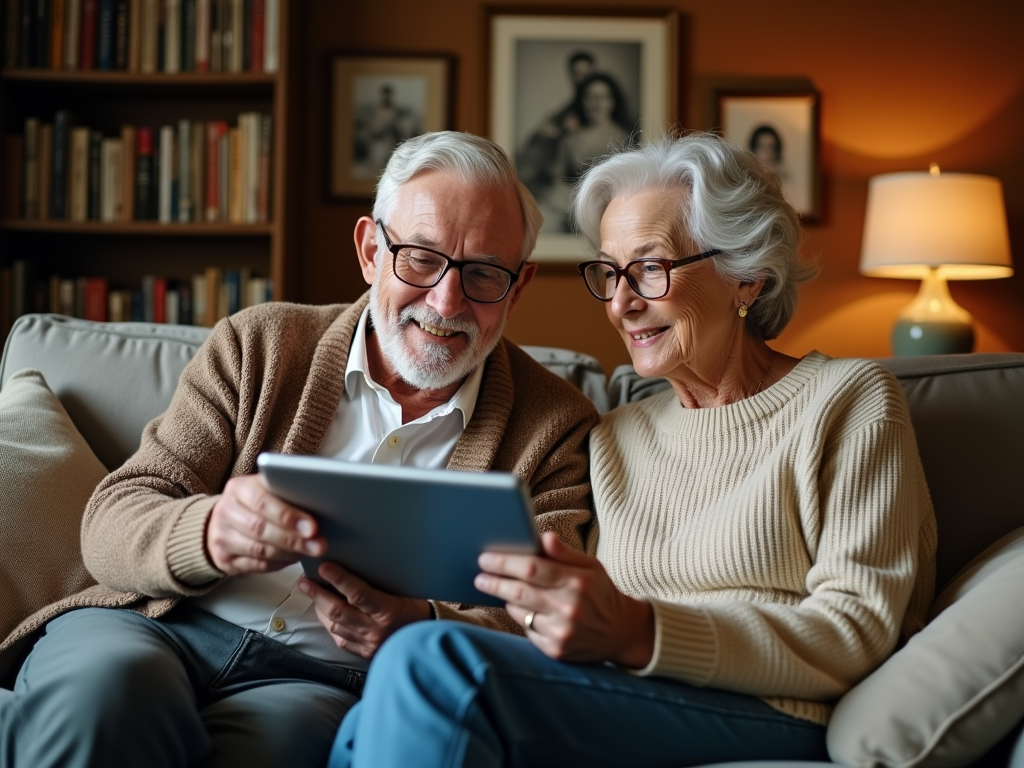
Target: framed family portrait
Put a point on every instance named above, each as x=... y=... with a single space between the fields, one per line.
x=781 y=129
x=568 y=87
x=375 y=102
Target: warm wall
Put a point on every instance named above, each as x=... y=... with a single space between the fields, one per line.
x=903 y=83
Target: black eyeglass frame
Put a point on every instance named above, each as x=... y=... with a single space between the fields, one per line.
x=620 y=272
x=449 y=264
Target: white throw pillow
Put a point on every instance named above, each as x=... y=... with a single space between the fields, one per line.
x=47 y=473
x=957 y=687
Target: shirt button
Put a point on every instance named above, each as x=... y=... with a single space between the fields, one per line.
x=393 y=441
x=277 y=624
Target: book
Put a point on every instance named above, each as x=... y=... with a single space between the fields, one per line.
x=134 y=36
x=172 y=306
x=188 y=35
x=118 y=303
x=87 y=46
x=63 y=123
x=185 y=302
x=94 y=194
x=96 y=301
x=224 y=174
x=105 y=21
x=145 y=208
x=148 y=37
x=197 y=165
x=159 y=299
x=12 y=54
x=202 y=53
x=236 y=16
x=236 y=187
x=121 y=28
x=136 y=312
x=271 y=44
x=54 y=294
x=21 y=275
x=165 y=173
x=199 y=294
x=128 y=148
x=72 y=33
x=184 y=180
x=111 y=180
x=66 y=297
x=30 y=170
x=233 y=291
x=14 y=145
x=45 y=169
x=214 y=128
x=215 y=307
x=58 y=10
x=172 y=37
x=252 y=165
x=41 y=28
x=216 y=31
x=78 y=175
x=257 y=33
x=26 y=38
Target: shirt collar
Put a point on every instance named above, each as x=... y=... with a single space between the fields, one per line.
x=357 y=374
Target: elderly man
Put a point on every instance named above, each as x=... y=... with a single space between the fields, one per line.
x=228 y=655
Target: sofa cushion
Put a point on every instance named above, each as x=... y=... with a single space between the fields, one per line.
x=47 y=473
x=957 y=687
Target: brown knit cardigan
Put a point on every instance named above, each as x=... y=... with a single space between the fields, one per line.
x=270 y=379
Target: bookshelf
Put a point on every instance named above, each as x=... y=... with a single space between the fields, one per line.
x=127 y=251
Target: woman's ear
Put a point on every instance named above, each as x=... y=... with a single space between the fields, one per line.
x=747 y=292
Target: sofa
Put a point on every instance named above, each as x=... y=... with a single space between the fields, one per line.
x=74 y=396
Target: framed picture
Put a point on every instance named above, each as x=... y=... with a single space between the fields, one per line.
x=567 y=87
x=376 y=101
x=782 y=129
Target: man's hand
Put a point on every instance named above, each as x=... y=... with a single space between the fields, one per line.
x=358 y=616
x=568 y=604
x=253 y=531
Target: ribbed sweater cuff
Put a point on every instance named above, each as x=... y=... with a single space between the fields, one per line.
x=186 y=546
x=684 y=643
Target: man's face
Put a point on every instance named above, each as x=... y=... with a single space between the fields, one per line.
x=435 y=337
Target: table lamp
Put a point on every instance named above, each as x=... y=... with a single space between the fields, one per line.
x=935 y=227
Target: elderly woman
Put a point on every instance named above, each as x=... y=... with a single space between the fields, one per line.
x=765 y=536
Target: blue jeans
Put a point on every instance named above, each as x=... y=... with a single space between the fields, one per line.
x=451 y=694
x=113 y=688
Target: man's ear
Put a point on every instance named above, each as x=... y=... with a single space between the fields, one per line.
x=365 y=237
x=526 y=274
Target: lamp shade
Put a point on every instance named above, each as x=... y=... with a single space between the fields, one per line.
x=954 y=223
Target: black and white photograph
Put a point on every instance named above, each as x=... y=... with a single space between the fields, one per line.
x=567 y=90
x=782 y=130
x=376 y=102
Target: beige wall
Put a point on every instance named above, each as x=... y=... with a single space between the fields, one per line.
x=903 y=83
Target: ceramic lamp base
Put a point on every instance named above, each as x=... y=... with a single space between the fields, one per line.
x=911 y=337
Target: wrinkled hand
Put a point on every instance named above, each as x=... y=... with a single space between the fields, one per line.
x=358 y=616
x=578 y=613
x=252 y=531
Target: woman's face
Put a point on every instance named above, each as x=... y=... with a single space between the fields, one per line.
x=694 y=325
x=598 y=102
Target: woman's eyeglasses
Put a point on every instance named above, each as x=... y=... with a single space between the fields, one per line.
x=648 y=277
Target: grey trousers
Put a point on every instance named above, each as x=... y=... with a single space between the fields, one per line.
x=113 y=688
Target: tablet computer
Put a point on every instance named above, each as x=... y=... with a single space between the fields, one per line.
x=406 y=530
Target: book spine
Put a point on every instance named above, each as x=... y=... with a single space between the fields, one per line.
x=12 y=53
x=213 y=296
x=236 y=185
x=58 y=11
x=159 y=299
x=30 y=170
x=252 y=167
x=264 y=172
x=257 y=35
x=216 y=35
x=165 y=198
x=144 y=175
x=111 y=181
x=232 y=287
x=148 y=44
x=72 y=34
x=246 y=36
x=202 y=35
x=121 y=29
x=62 y=123
x=172 y=37
x=41 y=29
x=199 y=294
x=116 y=310
x=271 y=44
x=188 y=35
x=134 y=35
x=87 y=46
x=105 y=20
x=54 y=298
x=197 y=165
x=212 y=212
x=172 y=306
x=128 y=172
x=94 y=199
x=45 y=169
x=20 y=278
x=25 y=54
x=185 y=302
x=96 y=300
x=184 y=171
x=79 y=173
x=147 y=298
x=224 y=173
x=137 y=307
x=66 y=297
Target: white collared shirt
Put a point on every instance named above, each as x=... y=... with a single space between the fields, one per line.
x=367 y=427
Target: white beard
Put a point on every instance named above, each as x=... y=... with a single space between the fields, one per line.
x=430 y=366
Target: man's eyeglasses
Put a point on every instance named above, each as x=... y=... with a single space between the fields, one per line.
x=648 y=277
x=424 y=268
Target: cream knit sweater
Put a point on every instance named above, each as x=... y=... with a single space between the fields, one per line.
x=785 y=541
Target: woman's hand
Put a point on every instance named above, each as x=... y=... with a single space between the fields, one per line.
x=569 y=606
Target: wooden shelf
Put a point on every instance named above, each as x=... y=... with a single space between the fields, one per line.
x=144 y=228
x=212 y=79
